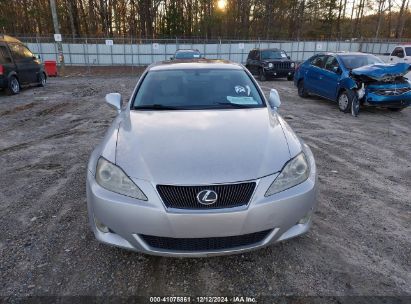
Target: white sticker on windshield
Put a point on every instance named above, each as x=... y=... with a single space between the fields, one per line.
x=243 y=100
x=196 y=56
x=283 y=55
x=239 y=89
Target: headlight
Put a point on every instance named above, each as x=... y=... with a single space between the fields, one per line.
x=112 y=178
x=292 y=64
x=295 y=172
x=270 y=65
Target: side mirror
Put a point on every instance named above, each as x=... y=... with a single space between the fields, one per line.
x=171 y=58
x=274 y=99
x=114 y=100
x=288 y=57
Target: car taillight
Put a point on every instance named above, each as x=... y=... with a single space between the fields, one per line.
x=1 y=69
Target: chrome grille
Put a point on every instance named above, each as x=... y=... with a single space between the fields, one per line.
x=392 y=92
x=204 y=244
x=185 y=197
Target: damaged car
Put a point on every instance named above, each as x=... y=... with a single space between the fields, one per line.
x=354 y=79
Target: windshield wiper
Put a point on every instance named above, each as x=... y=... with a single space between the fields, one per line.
x=235 y=105
x=156 y=107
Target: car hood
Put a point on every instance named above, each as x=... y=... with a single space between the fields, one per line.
x=201 y=147
x=381 y=72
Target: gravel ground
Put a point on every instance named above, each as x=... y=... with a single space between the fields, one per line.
x=359 y=244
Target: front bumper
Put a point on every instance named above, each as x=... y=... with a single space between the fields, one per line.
x=391 y=101
x=279 y=73
x=129 y=219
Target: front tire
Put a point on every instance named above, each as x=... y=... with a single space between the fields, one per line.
x=262 y=76
x=290 y=78
x=13 y=86
x=355 y=106
x=42 y=79
x=302 y=92
x=348 y=102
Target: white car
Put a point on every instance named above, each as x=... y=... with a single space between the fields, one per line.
x=401 y=53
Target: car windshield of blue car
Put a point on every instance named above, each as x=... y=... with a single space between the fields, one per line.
x=355 y=61
x=187 y=55
x=408 y=51
x=273 y=55
x=191 y=89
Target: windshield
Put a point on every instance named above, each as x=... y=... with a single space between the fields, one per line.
x=187 y=55
x=273 y=55
x=408 y=51
x=197 y=89
x=356 y=61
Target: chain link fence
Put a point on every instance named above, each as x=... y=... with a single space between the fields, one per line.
x=141 y=52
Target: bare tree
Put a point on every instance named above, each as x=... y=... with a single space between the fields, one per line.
x=241 y=19
x=401 y=19
x=380 y=13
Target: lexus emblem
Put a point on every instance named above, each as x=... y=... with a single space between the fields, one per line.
x=207 y=197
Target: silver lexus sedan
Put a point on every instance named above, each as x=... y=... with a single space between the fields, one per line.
x=199 y=163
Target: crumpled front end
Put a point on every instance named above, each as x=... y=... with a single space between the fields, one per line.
x=394 y=95
x=383 y=85
x=381 y=72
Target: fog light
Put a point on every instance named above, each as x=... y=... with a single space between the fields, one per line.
x=275 y=74
x=304 y=220
x=100 y=226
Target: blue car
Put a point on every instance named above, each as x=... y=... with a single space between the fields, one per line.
x=354 y=79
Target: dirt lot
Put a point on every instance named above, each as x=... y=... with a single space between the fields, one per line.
x=360 y=242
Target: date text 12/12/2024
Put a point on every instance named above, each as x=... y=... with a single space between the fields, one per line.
x=203 y=299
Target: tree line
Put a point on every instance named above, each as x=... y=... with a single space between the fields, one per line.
x=233 y=19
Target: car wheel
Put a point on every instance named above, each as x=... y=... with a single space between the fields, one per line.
x=348 y=101
x=290 y=78
x=302 y=92
x=355 y=106
x=42 y=79
x=262 y=77
x=14 y=86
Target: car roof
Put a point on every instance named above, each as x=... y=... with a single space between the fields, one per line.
x=343 y=53
x=7 y=38
x=188 y=50
x=268 y=49
x=193 y=64
x=351 y=53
